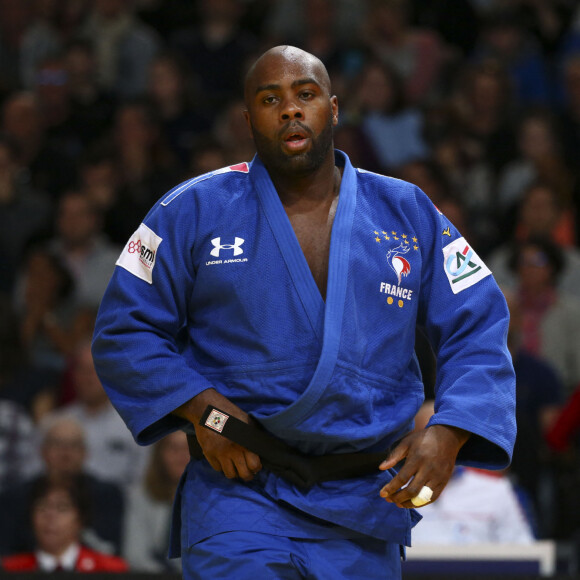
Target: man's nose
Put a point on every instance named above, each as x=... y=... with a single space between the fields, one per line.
x=291 y=110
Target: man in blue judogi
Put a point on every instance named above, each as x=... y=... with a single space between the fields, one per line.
x=269 y=309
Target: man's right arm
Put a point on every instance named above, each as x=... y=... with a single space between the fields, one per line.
x=222 y=454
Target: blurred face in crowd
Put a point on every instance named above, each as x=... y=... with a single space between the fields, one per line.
x=77 y=220
x=536 y=139
x=539 y=212
x=21 y=117
x=56 y=522
x=63 y=449
x=376 y=92
x=534 y=269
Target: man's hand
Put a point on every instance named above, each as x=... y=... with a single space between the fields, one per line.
x=221 y=453
x=429 y=460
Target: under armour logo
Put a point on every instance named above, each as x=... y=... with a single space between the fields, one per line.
x=219 y=246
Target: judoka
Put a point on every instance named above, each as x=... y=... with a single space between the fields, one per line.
x=278 y=300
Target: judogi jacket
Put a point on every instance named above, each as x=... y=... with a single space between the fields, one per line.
x=213 y=290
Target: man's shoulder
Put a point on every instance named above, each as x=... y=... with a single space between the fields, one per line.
x=207 y=184
x=392 y=185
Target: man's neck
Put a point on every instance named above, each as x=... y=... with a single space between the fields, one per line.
x=308 y=190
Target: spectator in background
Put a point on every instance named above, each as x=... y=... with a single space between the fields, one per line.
x=16 y=427
x=206 y=155
x=540 y=213
x=112 y=454
x=550 y=318
x=91 y=107
x=58 y=511
x=124 y=47
x=80 y=242
x=47 y=309
x=417 y=55
x=540 y=158
x=231 y=132
x=24 y=213
x=505 y=39
x=393 y=130
x=149 y=505
x=539 y=398
x=216 y=49
x=42 y=39
x=14 y=19
x=63 y=454
x=46 y=167
x=144 y=165
x=174 y=95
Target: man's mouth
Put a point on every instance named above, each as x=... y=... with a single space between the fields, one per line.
x=296 y=139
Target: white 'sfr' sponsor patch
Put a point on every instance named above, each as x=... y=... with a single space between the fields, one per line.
x=462 y=265
x=138 y=255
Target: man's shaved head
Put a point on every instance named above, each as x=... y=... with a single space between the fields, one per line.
x=284 y=56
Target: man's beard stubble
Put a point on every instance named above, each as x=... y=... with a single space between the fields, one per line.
x=300 y=164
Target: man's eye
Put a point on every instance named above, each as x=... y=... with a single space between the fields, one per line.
x=306 y=94
x=269 y=100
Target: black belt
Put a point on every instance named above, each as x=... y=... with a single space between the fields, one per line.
x=298 y=468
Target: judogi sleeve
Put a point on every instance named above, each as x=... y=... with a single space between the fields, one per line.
x=138 y=345
x=465 y=316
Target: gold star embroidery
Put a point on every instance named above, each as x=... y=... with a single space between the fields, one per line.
x=406 y=241
x=394 y=233
x=415 y=247
x=376 y=233
x=447 y=232
x=395 y=237
x=378 y=239
x=414 y=239
x=384 y=233
x=387 y=238
x=404 y=236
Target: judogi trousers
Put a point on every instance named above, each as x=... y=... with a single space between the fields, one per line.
x=243 y=555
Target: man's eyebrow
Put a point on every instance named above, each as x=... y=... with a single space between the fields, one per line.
x=296 y=83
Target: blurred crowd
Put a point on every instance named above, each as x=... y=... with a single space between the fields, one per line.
x=107 y=104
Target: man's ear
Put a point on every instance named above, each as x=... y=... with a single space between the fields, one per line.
x=334 y=107
x=248 y=122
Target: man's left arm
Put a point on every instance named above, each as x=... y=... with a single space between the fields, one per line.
x=465 y=317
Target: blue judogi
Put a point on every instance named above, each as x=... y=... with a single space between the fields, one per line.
x=213 y=290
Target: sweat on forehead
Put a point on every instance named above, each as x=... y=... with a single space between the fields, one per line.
x=280 y=59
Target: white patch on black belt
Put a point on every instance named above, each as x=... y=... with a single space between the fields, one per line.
x=217 y=420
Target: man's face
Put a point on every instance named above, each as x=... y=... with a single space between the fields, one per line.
x=290 y=112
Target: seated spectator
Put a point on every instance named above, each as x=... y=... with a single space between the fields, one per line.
x=418 y=55
x=173 y=91
x=393 y=130
x=63 y=458
x=46 y=167
x=124 y=47
x=539 y=398
x=81 y=244
x=539 y=214
x=47 y=310
x=112 y=453
x=149 y=505
x=550 y=326
x=24 y=213
x=505 y=38
x=540 y=159
x=59 y=512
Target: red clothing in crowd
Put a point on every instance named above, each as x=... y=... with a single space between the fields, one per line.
x=87 y=561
